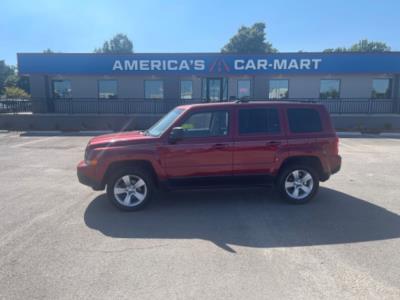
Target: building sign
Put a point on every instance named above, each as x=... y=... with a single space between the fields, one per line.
x=208 y=64
x=200 y=65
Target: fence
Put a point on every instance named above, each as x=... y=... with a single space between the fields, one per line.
x=161 y=106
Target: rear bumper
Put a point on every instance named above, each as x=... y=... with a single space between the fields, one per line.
x=85 y=176
x=336 y=164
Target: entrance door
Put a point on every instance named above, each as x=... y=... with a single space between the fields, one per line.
x=215 y=89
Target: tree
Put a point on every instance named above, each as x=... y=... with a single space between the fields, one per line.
x=48 y=50
x=362 y=46
x=249 y=40
x=5 y=72
x=370 y=46
x=10 y=79
x=14 y=92
x=338 y=49
x=120 y=43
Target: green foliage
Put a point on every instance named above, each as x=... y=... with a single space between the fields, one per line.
x=120 y=43
x=48 y=50
x=5 y=72
x=362 y=46
x=338 y=49
x=370 y=46
x=14 y=92
x=249 y=40
x=9 y=78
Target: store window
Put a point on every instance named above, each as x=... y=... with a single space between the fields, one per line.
x=278 y=89
x=243 y=88
x=154 y=89
x=108 y=89
x=186 y=89
x=382 y=88
x=329 y=89
x=62 y=89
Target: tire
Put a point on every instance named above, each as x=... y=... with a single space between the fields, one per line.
x=300 y=188
x=131 y=196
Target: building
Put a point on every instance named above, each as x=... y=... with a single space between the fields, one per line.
x=150 y=82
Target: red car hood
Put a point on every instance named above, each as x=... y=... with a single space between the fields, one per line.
x=117 y=138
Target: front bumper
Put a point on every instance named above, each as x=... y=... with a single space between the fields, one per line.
x=85 y=175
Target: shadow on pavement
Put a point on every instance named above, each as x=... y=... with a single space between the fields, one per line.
x=251 y=217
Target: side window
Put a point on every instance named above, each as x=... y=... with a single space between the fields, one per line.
x=62 y=89
x=304 y=120
x=205 y=124
x=258 y=120
x=381 y=88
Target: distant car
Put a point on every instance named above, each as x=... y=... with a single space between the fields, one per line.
x=292 y=145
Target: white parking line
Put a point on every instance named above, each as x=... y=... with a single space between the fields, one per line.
x=348 y=146
x=32 y=142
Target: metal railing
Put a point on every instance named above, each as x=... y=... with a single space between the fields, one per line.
x=161 y=106
x=15 y=105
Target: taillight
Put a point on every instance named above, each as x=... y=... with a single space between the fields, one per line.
x=336 y=146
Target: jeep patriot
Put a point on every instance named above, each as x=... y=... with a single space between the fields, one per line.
x=292 y=145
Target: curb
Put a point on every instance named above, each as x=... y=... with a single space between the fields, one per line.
x=44 y=132
x=389 y=134
x=349 y=133
x=356 y=133
x=96 y=131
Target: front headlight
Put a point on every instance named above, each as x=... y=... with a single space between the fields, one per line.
x=90 y=159
x=86 y=156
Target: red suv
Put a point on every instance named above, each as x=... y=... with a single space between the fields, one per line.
x=292 y=145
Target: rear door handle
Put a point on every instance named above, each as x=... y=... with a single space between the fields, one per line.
x=220 y=146
x=273 y=143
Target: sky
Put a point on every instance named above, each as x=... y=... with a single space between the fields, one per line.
x=192 y=26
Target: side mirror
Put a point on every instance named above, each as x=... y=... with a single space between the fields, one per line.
x=176 y=134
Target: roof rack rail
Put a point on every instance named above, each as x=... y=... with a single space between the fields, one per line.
x=242 y=100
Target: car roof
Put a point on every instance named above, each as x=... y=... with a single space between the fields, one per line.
x=250 y=104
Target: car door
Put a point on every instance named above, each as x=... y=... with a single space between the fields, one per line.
x=205 y=149
x=259 y=137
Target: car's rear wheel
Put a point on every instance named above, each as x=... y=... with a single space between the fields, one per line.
x=130 y=189
x=298 y=184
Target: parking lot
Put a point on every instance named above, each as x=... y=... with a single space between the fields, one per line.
x=59 y=239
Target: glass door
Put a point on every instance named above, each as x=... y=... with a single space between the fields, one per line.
x=215 y=89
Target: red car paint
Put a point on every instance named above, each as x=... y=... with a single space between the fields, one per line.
x=229 y=155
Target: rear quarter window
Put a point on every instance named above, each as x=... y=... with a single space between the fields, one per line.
x=303 y=120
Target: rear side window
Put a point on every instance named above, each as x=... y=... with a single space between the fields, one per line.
x=304 y=120
x=258 y=120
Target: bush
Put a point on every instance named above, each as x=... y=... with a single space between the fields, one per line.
x=14 y=92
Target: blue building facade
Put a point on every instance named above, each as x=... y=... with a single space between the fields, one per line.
x=362 y=81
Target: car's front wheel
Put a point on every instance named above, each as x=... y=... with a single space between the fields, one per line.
x=298 y=184
x=130 y=189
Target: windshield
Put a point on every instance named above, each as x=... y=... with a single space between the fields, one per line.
x=163 y=124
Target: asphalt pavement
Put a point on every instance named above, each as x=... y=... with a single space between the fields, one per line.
x=61 y=240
